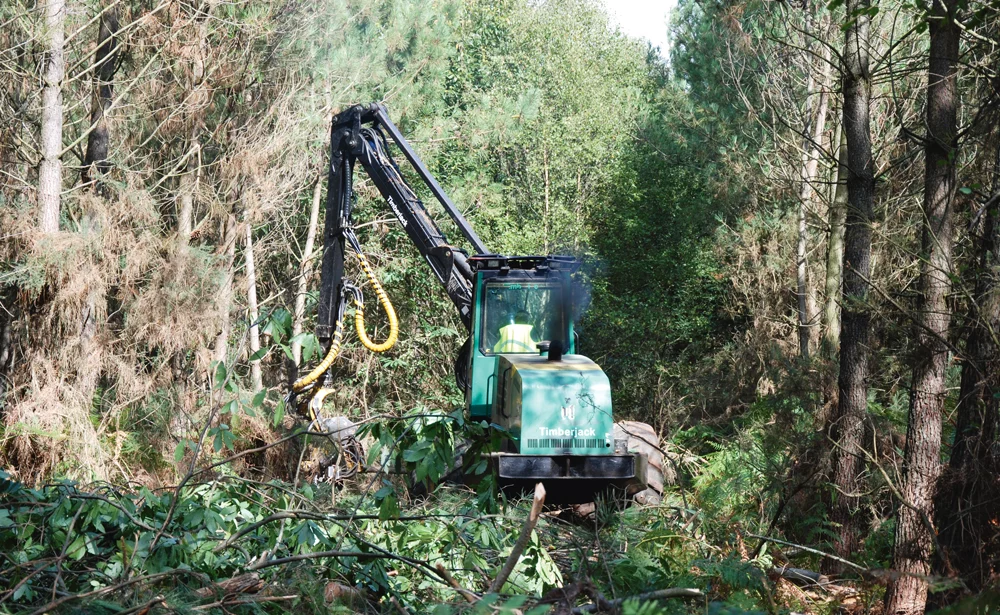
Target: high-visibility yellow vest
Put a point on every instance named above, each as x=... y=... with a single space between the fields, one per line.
x=515 y=338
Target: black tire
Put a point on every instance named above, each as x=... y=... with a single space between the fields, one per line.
x=642 y=439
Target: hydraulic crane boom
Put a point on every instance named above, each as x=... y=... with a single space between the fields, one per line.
x=359 y=135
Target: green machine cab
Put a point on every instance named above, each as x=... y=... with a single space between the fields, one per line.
x=527 y=378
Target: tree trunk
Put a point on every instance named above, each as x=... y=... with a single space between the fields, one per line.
x=255 y=376
x=847 y=427
x=197 y=100
x=907 y=593
x=50 y=168
x=834 y=277
x=8 y=318
x=226 y=292
x=545 y=215
x=966 y=498
x=186 y=189
x=106 y=57
x=810 y=165
x=89 y=362
x=304 y=269
x=835 y=254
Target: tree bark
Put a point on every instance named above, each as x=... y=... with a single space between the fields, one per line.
x=907 y=593
x=847 y=427
x=835 y=254
x=545 y=214
x=226 y=292
x=255 y=376
x=837 y=217
x=106 y=58
x=816 y=124
x=50 y=168
x=95 y=160
x=197 y=100
x=966 y=499
x=8 y=318
x=305 y=268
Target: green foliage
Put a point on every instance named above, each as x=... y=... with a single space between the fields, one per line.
x=93 y=540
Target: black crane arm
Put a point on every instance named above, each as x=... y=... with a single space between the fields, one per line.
x=359 y=135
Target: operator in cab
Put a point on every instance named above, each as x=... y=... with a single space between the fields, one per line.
x=516 y=336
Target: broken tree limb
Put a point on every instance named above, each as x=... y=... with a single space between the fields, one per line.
x=800 y=576
x=249 y=583
x=660 y=594
x=522 y=540
x=469 y=596
x=810 y=550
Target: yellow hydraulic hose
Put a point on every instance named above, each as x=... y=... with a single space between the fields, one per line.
x=338 y=335
x=390 y=312
x=319 y=370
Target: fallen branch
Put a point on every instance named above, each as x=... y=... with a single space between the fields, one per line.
x=522 y=540
x=399 y=607
x=469 y=596
x=660 y=594
x=319 y=554
x=800 y=576
x=249 y=583
x=811 y=550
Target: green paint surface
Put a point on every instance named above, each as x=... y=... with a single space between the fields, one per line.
x=554 y=407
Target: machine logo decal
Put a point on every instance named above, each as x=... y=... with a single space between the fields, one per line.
x=395 y=210
x=559 y=432
x=568 y=411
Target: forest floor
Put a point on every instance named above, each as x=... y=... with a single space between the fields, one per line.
x=235 y=545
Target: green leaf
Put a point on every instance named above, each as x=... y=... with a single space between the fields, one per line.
x=965 y=190
x=257 y=356
x=258 y=399
x=220 y=375
x=77 y=549
x=309 y=344
x=389 y=509
x=279 y=325
x=179 y=451
x=279 y=413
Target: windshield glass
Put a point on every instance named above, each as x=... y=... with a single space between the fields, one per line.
x=518 y=315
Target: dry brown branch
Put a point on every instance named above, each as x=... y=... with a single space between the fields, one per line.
x=522 y=539
x=469 y=596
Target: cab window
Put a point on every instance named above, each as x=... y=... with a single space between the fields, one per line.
x=518 y=315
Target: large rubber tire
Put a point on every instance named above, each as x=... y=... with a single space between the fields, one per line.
x=642 y=439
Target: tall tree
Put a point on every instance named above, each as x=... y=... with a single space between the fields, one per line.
x=255 y=374
x=197 y=98
x=907 y=593
x=815 y=126
x=837 y=218
x=847 y=427
x=305 y=267
x=50 y=168
x=966 y=500
x=835 y=251
x=225 y=300
x=105 y=60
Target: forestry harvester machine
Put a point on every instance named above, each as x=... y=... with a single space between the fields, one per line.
x=518 y=369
